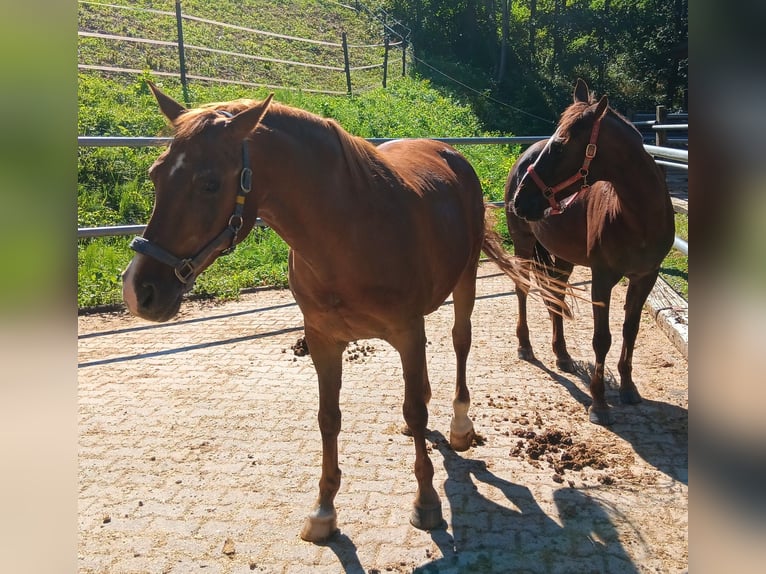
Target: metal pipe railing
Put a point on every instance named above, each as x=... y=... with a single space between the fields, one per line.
x=678 y=155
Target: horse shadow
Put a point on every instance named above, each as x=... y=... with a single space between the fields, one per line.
x=345 y=549
x=657 y=431
x=517 y=535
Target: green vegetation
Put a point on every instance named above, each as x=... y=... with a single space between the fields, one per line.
x=321 y=21
x=675 y=268
x=526 y=54
x=113 y=186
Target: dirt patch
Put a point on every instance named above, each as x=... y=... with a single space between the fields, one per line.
x=300 y=348
x=355 y=351
x=359 y=351
x=560 y=451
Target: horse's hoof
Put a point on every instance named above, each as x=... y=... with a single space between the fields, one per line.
x=526 y=354
x=406 y=430
x=630 y=397
x=461 y=441
x=460 y=429
x=427 y=518
x=319 y=528
x=601 y=417
x=566 y=364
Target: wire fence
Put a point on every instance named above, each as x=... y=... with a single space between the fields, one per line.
x=670 y=157
x=360 y=66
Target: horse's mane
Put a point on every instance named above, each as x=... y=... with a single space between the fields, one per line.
x=576 y=111
x=363 y=160
x=194 y=120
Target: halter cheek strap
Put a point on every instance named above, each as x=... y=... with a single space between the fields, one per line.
x=186 y=269
x=549 y=192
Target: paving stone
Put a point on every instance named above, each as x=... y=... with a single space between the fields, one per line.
x=204 y=429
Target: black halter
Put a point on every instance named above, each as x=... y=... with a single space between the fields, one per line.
x=186 y=269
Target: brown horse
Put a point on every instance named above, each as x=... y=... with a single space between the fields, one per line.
x=379 y=238
x=591 y=195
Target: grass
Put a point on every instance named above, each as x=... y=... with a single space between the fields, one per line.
x=309 y=19
x=113 y=187
x=675 y=267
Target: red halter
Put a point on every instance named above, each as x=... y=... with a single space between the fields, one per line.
x=557 y=207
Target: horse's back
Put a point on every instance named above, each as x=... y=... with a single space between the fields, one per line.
x=414 y=236
x=444 y=189
x=445 y=206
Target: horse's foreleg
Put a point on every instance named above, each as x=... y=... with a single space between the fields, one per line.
x=561 y=272
x=461 y=428
x=411 y=345
x=601 y=292
x=638 y=291
x=525 y=352
x=327 y=358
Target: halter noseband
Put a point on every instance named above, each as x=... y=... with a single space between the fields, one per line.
x=549 y=192
x=186 y=269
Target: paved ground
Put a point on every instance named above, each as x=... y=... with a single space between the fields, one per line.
x=199 y=449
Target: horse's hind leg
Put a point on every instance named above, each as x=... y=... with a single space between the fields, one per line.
x=327 y=357
x=461 y=428
x=638 y=291
x=601 y=294
x=411 y=345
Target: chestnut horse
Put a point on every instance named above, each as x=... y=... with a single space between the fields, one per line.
x=379 y=237
x=591 y=196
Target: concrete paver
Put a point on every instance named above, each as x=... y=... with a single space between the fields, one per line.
x=199 y=435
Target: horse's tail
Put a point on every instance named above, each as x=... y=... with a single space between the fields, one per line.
x=524 y=273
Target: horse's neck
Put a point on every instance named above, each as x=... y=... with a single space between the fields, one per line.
x=638 y=182
x=299 y=170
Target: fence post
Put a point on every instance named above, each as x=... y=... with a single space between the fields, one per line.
x=404 y=57
x=661 y=136
x=181 y=52
x=385 y=63
x=346 y=63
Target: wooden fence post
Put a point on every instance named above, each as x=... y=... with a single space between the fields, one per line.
x=346 y=63
x=385 y=63
x=404 y=57
x=181 y=56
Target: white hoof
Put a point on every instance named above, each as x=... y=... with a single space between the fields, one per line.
x=319 y=527
x=461 y=436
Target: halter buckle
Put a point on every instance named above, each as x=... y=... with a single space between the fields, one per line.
x=184 y=271
x=590 y=150
x=246 y=179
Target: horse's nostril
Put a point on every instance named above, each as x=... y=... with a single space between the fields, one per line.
x=145 y=294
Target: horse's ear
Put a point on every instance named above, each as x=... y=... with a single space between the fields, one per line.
x=170 y=108
x=581 y=92
x=603 y=104
x=247 y=120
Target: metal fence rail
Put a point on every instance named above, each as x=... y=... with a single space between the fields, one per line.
x=679 y=159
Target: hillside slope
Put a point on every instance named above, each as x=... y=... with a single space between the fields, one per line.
x=295 y=44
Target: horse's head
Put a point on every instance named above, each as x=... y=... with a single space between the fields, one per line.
x=562 y=168
x=201 y=208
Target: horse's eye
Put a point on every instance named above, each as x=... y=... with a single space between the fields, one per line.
x=211 y=186
x=207 y=183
